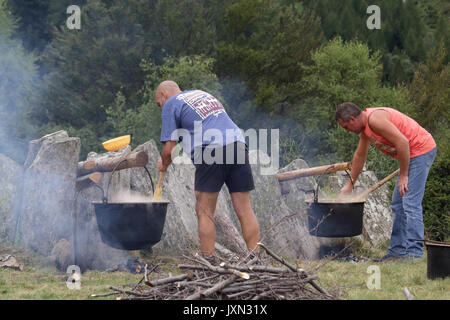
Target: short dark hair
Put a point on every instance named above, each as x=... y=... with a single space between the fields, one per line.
x=347 y=110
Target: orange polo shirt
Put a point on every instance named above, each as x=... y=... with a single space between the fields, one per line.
x=420 y=140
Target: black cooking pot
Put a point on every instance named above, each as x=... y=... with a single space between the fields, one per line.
x=130 y=225
x=334 y=219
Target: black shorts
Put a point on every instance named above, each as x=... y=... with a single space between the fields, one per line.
x=235 y=171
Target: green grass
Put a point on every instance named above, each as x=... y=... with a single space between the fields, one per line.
x=350 y=280
x=41 y=281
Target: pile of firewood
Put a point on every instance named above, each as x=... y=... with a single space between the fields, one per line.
x=254 y=279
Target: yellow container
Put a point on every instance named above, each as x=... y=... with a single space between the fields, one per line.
x=117 y=143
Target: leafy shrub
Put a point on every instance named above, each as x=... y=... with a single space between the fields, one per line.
x=436 y=202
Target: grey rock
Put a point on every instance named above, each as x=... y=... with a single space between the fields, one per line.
x=62 y=254
x=48 y=192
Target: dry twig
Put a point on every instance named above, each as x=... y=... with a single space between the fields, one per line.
x=245 y=280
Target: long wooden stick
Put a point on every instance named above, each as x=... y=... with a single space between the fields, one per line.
x=293 y=268
x=159 y=282
x=279 y=259
x=215 y=288
x=379 y=184
x=158 y=190
x=289 y=175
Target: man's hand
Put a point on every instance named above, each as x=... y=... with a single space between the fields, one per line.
x=403 y=185
x=161 y=166
x=165 y=159
x=346 y=190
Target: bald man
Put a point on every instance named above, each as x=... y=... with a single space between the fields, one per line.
x=219 y=153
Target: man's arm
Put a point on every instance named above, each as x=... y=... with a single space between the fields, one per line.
x=358 y=161
x=380 y=123
x=166 y=155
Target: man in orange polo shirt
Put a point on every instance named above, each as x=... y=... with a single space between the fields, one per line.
x=402 y=138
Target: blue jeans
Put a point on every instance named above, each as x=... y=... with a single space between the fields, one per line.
x=408 y=218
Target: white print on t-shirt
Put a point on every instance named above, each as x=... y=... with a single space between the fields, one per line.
x=202 y=103
x=383 y=147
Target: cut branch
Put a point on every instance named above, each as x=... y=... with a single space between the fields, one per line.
x=293 y=268
x=289 y=175
x=134 y=159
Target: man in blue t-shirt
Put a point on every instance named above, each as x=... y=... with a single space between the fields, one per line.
x=217 y=148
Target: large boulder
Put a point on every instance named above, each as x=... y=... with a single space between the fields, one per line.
x=46 y=208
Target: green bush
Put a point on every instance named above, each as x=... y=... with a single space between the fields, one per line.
x=436 y=208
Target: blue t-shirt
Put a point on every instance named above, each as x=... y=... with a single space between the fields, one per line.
x=197 y=119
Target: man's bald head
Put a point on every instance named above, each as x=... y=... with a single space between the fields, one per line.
x=165 y=90
x=168 y=86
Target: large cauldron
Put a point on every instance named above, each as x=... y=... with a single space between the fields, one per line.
x=335 y=219
x=332 y=218
x=130 y=225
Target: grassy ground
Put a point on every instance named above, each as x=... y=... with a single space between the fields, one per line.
x=351 y=280
x=41 y=281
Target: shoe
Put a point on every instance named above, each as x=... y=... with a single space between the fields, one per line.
x=388 y=257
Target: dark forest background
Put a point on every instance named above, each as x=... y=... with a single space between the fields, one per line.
x=281 y=64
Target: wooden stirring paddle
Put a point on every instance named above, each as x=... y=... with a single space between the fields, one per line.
x=158 y=191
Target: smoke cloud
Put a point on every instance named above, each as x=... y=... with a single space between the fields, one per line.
x=18 y=78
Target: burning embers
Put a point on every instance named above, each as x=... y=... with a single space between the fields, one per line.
x=133 y=265
x=340 y=252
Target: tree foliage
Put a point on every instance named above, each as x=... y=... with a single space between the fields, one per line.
x=431 y=91
x=408 y=30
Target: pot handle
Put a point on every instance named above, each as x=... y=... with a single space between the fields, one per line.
x=316 y=193
x=351 y=180
x=105 y=195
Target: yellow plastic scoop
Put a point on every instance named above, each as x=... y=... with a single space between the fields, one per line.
x=158 y=191
x=117 y=143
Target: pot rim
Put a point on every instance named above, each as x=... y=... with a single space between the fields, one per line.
x=432 y=242
x=131 y=202
x=335 y=201
x=437 y=244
